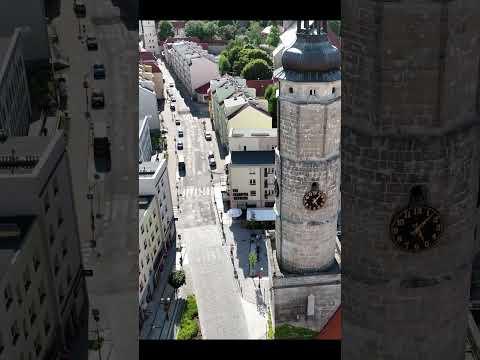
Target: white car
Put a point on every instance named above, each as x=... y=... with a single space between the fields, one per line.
x=211 y=155
x=180 y=132
x=212 y=162
x=208 y=136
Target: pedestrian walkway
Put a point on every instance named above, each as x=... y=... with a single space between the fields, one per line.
x=194 y=191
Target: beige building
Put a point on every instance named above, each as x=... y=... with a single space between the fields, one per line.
x=156 y=227
x=15 y=107
x=149 y=71
x=250 y=168
x=43 y=287
x=191 y=64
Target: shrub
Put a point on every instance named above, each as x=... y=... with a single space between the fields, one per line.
x=188 y=330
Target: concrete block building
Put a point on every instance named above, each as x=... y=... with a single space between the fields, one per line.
x=305 y=273
x=43 y=287
x=15 y=107
x=148 y=30
x=413 y=143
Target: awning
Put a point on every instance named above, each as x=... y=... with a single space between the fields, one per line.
x=261 y=214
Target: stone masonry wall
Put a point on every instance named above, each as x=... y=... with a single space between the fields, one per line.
x=409 y=74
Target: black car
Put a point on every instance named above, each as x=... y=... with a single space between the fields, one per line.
x=172 y=107
x=92 y=43
x=98 y=99
x=98 y=71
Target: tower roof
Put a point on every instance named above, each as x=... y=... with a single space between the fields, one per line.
x=311 y=56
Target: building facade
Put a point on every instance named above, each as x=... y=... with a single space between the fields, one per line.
x=412 y=144
x=145 y=150
x=147 y=105
x=192 y=65
x=42 y=282
x=151 y=71
x=150 y=36
x=15 y=107
x=157 y=231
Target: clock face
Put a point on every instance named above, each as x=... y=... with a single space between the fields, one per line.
x=417 y=228
x=277 y=188
x=314 y=200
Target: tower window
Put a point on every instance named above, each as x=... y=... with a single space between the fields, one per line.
x=315 y=186
x=312 y=92
x=290 y=90
x=333 y=90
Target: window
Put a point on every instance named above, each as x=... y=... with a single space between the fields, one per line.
x=60 y=217
x=14 y=332
x=244 y=148
x=60 y=294
x=252 y=171
x=253 y=182
x=46 y=324
x=32 y=314
x=64 y=247
x=19 y=294
x=52 y=235
x=290 y=90
x=333 y=90
x=145 y=245
x=41 y=294
x=56 y=267
x=265 y=183
x=253 y=193
x=69 y=276
x=7 y=293
x=26 y=279
x=36 y=262
x=46 y=202
x=141 y=264
x=55 y=186
x=1 y=345
x=142 y=229
x=312 y=92
x=38 y=345
x=25 y=329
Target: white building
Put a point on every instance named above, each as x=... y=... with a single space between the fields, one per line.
x=145 y=150
x=150 y=38
x=15 y=107
x=42 y=282
x=147 y=106
x=250 y=166
x=191 y=64
x=156 y=225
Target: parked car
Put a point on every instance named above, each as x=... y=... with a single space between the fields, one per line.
x=164 y=131
x=180 y=132
x=172 y=107
x=212 y=163
x=92 y=43
x=97 y=99
x=208 y=136
x=98 y=71
x=210 y=155
x=180 y=145
x=173 y=99
x=177 y=121
x=171 y=85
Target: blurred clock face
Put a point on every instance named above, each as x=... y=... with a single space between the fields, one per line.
x=416 y=228
x=313 y=200
x=277 y=188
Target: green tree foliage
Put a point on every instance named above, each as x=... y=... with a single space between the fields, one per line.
x=210 y=29
x=257 y=69
x=271 y=97
x=274 y=37
x=254 y=33
x=225 y=22
x=189 y=322
x=252 y=259
x=247 y=55
x=165 y=29
x=223 y=64
x=195 y=28
x=227 y=32
x=177 y=279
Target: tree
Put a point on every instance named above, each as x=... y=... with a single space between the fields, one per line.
x=274 y=37
x=254 y=33
x=271 y=97
x=247 y=55
x=257 y=69
x=177 y=279
x=335 y=25
x=165 y=29
x=210 y=29
x=227 y=32
x=195 y=28
x=223 y=64
x=252 y=259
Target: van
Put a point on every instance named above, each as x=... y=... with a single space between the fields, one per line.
x=181 y=163
x=180 y=132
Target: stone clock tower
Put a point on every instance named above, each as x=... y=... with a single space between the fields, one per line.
x=306 y=283
x=410 y=173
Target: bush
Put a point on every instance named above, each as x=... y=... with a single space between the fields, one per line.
x=287 y=331
x=188 y=330
x=177 y=279
x=223 y=64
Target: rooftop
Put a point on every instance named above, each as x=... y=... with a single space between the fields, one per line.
x=144 y=202
x=252 y=157
x=12 y=233
x=20 y=154
x=149 y=168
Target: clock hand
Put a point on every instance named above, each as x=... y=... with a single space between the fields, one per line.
x=422 y=224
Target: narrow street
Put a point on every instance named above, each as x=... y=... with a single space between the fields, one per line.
x=111 y=214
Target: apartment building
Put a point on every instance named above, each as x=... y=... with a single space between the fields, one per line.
x=145 y=150
x=192 y=65
x=147 y=104
x=45 y=301
x=150 y=71
x=15 y=107
x=157 y=230
x=150 y=38
x=250 y=168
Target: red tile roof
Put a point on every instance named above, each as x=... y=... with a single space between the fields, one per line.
x=333 y=328
x=203 y=89
x=259 y=85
